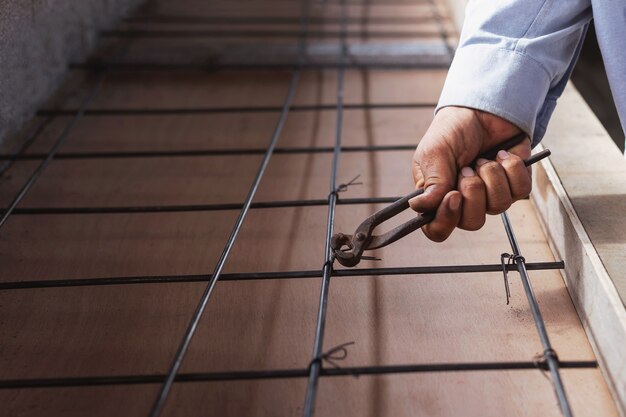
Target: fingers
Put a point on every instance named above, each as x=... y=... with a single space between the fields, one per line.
x=490 y=189
x=517 y=174
x=446 y=219
x=497 y=188
x=506 y=180
x=472 y=188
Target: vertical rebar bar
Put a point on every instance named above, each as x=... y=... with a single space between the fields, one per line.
x=314 y=369
x=549 y=354
x=53 y=151
x=159 y=403
x=197 y=315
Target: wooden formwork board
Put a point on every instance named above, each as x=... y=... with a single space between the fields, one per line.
x=269 y=324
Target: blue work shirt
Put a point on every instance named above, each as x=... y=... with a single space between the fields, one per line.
x=515 y=57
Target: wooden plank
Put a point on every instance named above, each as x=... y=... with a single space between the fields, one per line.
x=435 y=395
x=237 y=130
x=280 y=239
x=133 y=182
x=443 y=318
x=88 y=331
x=124 y=400
x=365 y=24
x=470 y=394
x=281 y=8
x=205 y=180
x=118 y=330
x=198 y=52
x=75 y=246
x=190 y=89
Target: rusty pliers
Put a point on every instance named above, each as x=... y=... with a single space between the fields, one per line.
x=348 y=249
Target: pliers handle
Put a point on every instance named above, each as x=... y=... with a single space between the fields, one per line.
x=348 y=249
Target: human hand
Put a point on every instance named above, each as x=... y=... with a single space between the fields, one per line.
x=460 y=194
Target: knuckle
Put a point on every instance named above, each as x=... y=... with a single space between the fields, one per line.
x=426 y=149
x=489 y=168
x=472 y=185
x=523 y=191
x=514 y=164
x=417 y=155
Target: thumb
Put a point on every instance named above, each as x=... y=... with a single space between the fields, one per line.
x=434 y=169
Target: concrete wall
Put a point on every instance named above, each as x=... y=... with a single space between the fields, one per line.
x=37 y=40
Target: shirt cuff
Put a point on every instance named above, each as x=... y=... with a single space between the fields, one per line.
x=503 y=82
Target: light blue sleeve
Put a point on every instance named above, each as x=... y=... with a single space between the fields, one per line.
x=515 y=57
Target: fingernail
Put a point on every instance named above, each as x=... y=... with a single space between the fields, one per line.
x=481 y=161
x=467 y=172
x=503 y=154
x=455 y=202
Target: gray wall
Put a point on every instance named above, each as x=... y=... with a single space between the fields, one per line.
x=37 y=40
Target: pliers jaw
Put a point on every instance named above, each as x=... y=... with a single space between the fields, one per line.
x=348 y=249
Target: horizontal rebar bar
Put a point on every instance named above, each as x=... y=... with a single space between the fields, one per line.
x=29 y=138
x=200 y=152
x=247 y=109
x=244 y=276
x=271 y=20
x=260 y=33
x=285 y=373
x=194 y=207
x=242 y=66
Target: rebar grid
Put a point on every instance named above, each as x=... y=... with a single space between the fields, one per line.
x=550 y=363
